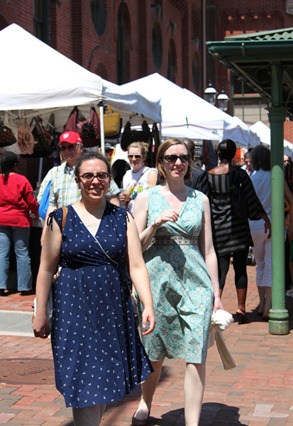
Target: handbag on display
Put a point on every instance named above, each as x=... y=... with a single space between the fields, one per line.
x=130 y=135
x=88 y=129
x=25 y=138
x=112 y=123
x=7 y=137
x=42 y=146
x=153 y=146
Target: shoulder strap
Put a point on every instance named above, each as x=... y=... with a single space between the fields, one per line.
x=64 y=215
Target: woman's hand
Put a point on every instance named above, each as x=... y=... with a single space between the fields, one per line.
x=268 y=228
x=41 y=327
x=166 y=216
x=217 y=304
x=148 y=321
x=124 y=197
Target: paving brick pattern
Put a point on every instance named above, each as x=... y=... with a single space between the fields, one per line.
x=258 y=392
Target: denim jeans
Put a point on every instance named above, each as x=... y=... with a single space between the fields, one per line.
x=19 y=237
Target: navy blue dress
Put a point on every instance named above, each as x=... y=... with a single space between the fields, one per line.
x=98 y=355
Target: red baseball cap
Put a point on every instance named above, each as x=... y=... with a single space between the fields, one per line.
x=69 y=137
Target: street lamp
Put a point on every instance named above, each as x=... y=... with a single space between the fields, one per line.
x=221 y=101
x=210 y=94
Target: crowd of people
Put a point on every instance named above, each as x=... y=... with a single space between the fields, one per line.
x=141 y=266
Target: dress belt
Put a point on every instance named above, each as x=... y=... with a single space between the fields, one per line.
x=166 y=241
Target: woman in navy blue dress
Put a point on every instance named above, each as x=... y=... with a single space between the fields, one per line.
x=98 y=355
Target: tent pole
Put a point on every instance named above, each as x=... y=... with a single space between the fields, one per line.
x=102 y=132
x=41 y=162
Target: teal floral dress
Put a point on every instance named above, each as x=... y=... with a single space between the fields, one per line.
x=181 y=286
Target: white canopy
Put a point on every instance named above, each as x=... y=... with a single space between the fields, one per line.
x=264 y=134
x=185 y=114
x=37 y=77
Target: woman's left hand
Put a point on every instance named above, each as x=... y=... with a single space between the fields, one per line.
x=217 y=304
x=148 y=321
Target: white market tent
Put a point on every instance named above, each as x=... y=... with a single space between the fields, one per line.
x=264 y=134
x=185 y=114
x=38 y=78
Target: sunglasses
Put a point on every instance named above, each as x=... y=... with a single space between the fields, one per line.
x=136 y=157
x=173 y=158
x=90 y=176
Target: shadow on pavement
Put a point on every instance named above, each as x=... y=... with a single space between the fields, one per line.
x=212 y=414
x=220 y=415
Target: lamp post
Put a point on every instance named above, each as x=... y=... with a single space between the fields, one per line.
x=210 y=94
x=221 y=101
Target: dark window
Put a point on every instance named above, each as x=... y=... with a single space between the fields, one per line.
x=157 y=46
x=99 y=15
x=196 y=72
x=120 y=50
x=41 y=20
x=172 y=63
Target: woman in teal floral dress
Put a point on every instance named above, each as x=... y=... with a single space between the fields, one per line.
x=175 y=230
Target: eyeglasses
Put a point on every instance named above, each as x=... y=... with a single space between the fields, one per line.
x=136 y=157
x=173 y=158
x=90 y=176
x=65 y=147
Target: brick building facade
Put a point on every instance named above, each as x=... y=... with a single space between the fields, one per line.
x=122 y=40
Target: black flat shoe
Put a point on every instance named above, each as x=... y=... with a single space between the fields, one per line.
x=3 y=293
x=27 y=292
x=242 y=317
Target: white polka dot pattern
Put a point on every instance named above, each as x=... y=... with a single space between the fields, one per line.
x=97 y=352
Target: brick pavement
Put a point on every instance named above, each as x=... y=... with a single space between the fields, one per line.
x=258 y=392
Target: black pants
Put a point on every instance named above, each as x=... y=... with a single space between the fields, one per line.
x=239 y=264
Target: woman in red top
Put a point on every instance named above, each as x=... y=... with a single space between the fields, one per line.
x=17 y=203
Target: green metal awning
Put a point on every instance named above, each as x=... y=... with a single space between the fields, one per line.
x=252 y=56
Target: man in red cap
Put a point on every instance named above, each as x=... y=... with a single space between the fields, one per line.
x=63 y=190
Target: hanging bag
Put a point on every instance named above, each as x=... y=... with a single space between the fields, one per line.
x=130 y=135
x=88 y=129
x=112 y=123
x=42 y=146
x=153 y=146
x=7 y=137
x=25 y=139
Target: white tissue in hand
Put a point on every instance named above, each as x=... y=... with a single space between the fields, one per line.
x=222 y=318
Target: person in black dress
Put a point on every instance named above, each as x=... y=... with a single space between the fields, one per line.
x=231 y=233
